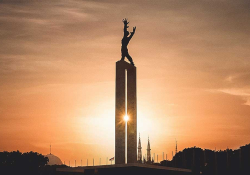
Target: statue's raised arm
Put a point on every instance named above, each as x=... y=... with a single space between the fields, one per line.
x=125 y=21
x=125 y=40
x=132 y=33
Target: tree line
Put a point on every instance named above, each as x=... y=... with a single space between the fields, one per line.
x=212 y=162
x=21 y=163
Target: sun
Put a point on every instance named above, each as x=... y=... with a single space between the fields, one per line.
x=126 y=118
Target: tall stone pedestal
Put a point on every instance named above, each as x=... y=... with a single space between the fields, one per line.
x=125 y=81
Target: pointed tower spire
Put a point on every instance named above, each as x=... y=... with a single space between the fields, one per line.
x=148 y=152
x=139 y=150
x=50 y=149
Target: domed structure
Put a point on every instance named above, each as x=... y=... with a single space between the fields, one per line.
x=53 y=160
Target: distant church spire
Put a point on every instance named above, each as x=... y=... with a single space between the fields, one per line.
x=139 y=150
x=148 y=152
x=50 y=149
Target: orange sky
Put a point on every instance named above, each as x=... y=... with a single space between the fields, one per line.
x=57 y=72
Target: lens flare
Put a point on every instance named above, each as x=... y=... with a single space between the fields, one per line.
x=126 y=118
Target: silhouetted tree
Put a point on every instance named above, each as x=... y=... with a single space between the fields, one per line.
x=211 y=162
x=21 y=163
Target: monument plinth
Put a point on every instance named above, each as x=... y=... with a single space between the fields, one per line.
x=125 y=101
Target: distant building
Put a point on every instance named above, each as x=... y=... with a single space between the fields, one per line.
x=139 y=151
x=53 y=160
x=148 y=152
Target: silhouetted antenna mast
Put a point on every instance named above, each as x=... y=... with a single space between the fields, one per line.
x=50 y=149
x=176 y=146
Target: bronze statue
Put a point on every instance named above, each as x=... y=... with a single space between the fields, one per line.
x=125 y=40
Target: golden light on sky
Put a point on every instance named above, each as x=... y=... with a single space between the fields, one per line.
x=57 y=74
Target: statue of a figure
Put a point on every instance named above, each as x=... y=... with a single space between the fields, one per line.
x=125 y=40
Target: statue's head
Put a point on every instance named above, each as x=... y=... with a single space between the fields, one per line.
x=126 y=33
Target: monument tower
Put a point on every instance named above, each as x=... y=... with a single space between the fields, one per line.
x=125 y=104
